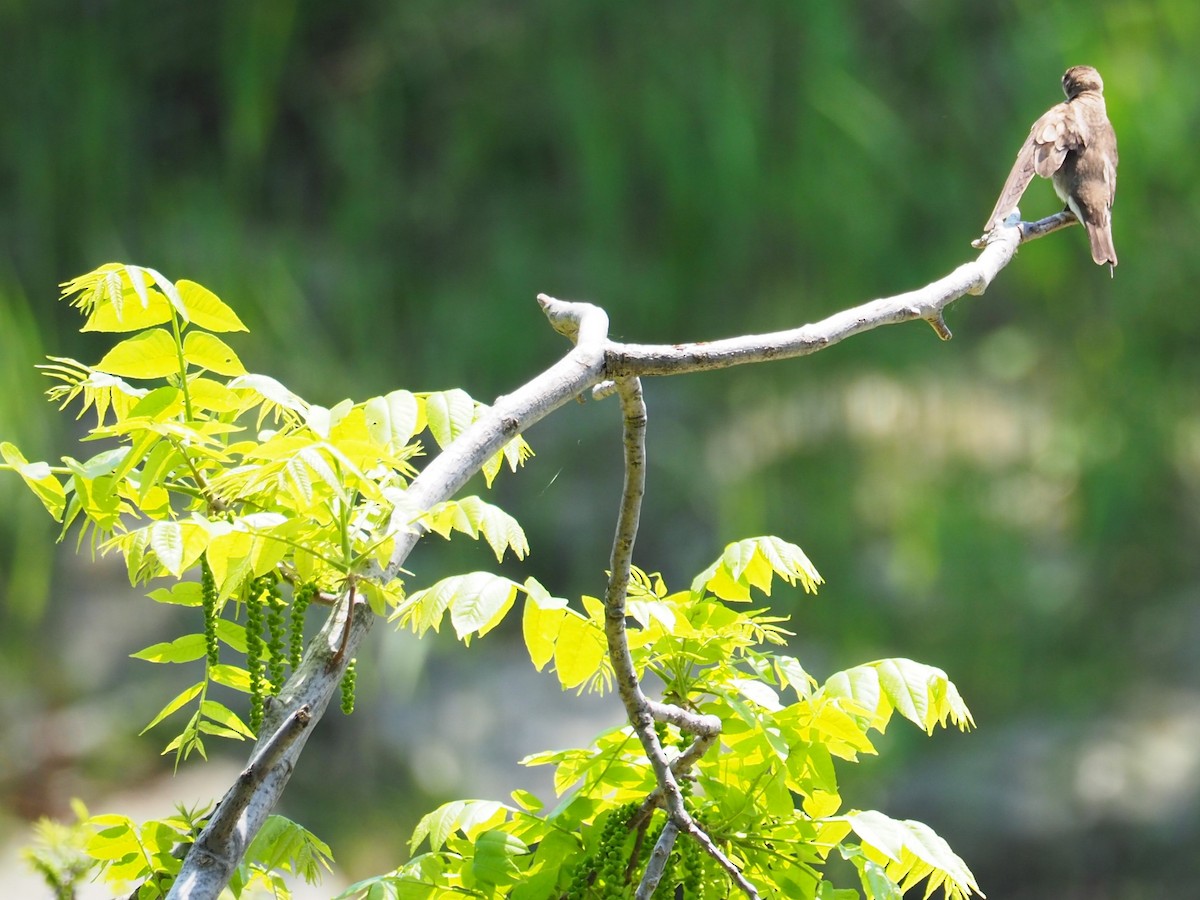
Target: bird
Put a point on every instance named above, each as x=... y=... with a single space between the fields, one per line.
x=1073 y=145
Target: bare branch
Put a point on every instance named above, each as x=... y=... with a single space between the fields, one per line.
x=637 y=706
x=658 y=861
x=223 y=822
x=701 y=837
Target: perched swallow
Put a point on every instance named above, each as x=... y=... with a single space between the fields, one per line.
x=1075 y=146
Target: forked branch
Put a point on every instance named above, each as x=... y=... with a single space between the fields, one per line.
x=593 y=362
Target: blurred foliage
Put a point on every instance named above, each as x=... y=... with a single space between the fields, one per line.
x=359 y=178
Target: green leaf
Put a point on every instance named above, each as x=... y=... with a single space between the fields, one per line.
x=212 y=396
x=177 y=545
x=922 y=694
x=481 y=603
x=115 y=840
x=541 y=622
x=527 y=801
x=205 y=309
x=38 y=478
x=272 y=393
x=160 y=463
x=188 y=648
x=752 y=563
x=477 y=602
x=224 y=716
x=495 y=851
x=913 y=851
x=183 y=593
x=392 y=420
x=283 y=845
x=449 y=413
x=181 y=699
x=164 y=285
x=232 y=634
x=210 y=352
x=468 y=816
x=166 y=539
x=579 y=651
x=149 y=354
x=473 y=516
x=231 y=676
x=126 y=316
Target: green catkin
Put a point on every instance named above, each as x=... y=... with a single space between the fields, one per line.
x=275 y=635
x=300 y=600
x=348 y=686
x=603 y=875
x=254 y=647
x=208 y=594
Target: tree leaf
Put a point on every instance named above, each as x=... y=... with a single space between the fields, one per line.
x=182 y=593
x=752 y=563
x=231 y=676
x=448 y=414
x=208 y=351
x=38 y=478
x=124 y=317
x=473 y=516
x=579 y=651
x=495 y=851
x=223 y=715
x=205 y=309
x=183 y=649
x=149 y=354
x=392 y=420
x=467 y=816
x=913 y=851
x=181 y=699
x=480 y=603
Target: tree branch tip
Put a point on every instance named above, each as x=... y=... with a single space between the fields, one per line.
x=938 y=324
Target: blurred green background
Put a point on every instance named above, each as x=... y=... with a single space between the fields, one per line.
x=381 y=188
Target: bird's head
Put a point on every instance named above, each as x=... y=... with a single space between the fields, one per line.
x=1078 y=79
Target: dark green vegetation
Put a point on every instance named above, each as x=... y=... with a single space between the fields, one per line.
x=381 y=189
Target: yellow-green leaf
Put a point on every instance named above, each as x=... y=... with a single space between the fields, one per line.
x=206 y=309
x=213 y=396
x=393 y=420
x=149 y=354
x=753 y=563
x=38 y=477
x=231 y=676
x=183 y=649
x=129 y=316
x=579 y=650
x=541 y=623
x=181 y=699
x=223 y=715
x=166 y=539
x=480 y=603
x=913 y=851
x=210 y=352
x=182 y=593
x=448 y=414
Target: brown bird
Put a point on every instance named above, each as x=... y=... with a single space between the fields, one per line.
x=1075 y=146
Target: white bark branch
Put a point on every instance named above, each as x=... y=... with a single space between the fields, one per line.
x=593 y=360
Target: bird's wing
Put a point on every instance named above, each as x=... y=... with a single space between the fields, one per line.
x=1043 y=152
